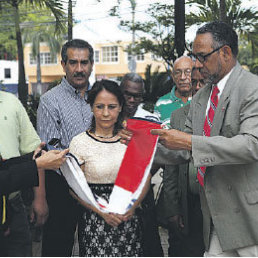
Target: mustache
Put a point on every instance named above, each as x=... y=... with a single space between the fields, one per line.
x=79 y=74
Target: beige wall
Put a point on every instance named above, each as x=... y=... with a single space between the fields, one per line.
x=51 y=72
x=120 y=68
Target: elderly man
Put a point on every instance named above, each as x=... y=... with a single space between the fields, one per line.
x=181 y=194
x=132 y=86
x=221 y=137
x=180 y=94
x=63 y=113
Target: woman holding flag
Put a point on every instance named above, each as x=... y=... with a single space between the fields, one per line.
x=100 y=153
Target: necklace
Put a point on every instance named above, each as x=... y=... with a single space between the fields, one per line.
x=104 y=137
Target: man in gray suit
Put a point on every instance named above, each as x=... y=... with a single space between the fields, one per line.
x=229 y=192
x=181 y=194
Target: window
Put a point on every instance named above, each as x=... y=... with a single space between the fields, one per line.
x=32 y=60
x=109 y=54
x=7 y=73
x=96 y=56
x=156 y=57
x=45 y=59
x=138 y=57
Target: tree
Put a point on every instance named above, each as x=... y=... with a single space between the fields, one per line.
x=156 y=85
x=70 y=19
x=8 y=48
x=244 y=21
x=56 y=8
x=180 y=27
x=130 y=26
x=240 y=19
x=222 y=10
x=36 y=37
x=159 y=33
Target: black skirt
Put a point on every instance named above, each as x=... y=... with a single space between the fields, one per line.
x=97 y=238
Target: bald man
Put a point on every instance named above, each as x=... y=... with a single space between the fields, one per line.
x=181 y=93
x=182 y=206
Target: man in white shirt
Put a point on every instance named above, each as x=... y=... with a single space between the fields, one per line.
x=132 y=86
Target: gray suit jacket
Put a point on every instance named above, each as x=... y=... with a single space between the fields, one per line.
x=230 y=193
x=175 y=177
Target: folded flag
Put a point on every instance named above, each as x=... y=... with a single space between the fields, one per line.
x=132 y=175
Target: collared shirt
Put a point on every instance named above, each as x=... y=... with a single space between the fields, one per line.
x=142 y=113
x=17 y=134
x=221 y=85
x=167 y=104
x=63 y=114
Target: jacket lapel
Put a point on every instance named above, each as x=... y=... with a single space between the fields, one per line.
x=224 y=101
x=200 y=108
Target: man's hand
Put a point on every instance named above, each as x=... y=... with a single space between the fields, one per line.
x=177 y=221
x=174 y=139
x=52 y=159
x=39 y=149
x=125 y=136
x=39 y=211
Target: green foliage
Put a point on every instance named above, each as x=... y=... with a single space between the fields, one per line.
x=54 y=6
x=159 y=31
x=239 y=18
x=244 y=21
x=33 y=15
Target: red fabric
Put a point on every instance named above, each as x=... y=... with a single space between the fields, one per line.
x=208 y=125
x=138 y=154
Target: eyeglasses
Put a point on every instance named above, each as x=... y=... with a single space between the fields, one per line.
x=128 y=95
x=178 y=73
x=202 y=58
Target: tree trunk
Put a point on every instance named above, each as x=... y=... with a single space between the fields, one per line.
x=222 y=10
x=70 y=20
x=180 y=27
x=133 y=61
x=39 y=85
x=22 y=86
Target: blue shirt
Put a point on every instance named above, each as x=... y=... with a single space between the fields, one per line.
x=63 y=114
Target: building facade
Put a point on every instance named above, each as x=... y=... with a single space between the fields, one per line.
x=9 y=76
x=111 y=62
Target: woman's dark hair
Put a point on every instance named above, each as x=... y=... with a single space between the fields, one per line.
x=113 y=88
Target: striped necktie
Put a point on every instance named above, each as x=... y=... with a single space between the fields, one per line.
x=208 y=125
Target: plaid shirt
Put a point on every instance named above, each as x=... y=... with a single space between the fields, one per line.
x=63 y=114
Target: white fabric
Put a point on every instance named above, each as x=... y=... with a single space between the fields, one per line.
x=96 y=155
x=120 y=201
x=142 y=113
